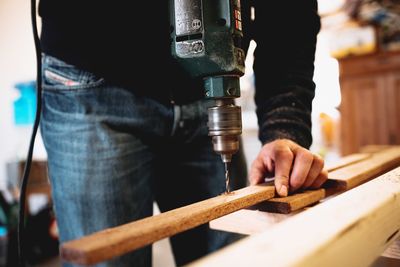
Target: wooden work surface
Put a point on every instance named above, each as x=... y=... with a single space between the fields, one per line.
x=352 y=229
x=112 y=242
x=346 y=174
x=350 y=173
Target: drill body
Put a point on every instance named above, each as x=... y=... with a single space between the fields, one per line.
x=206 y=40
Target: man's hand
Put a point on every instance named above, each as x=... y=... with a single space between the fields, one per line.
x=293 y=166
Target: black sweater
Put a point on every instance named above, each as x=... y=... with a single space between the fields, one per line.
x=112 y=39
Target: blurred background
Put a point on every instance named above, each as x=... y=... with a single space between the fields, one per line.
x=357 y=76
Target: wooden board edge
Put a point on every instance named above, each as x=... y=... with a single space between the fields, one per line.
x=369 y=222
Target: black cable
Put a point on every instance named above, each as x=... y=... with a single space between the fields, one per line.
x=27 y=168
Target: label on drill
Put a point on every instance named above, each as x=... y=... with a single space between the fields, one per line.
x=237 y=15
x=190 y=48
x=188 y=19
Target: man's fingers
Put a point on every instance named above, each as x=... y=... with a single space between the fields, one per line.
x=260 y=167
x=316 y=168
x=320 y=180
x=292 y=165
x=257 y=171
x=302 y=165
x=283 y=159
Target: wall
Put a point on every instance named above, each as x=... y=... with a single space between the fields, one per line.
x=17 y=64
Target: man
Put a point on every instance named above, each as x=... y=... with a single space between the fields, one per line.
x=117 y=141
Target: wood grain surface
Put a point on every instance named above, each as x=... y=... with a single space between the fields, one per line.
x=347 y=160
x=358 y=173
x=352 y=229
x=112 y=242
x=293 y=202
x=347 y=173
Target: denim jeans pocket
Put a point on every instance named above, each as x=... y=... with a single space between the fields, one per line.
x=59 y=75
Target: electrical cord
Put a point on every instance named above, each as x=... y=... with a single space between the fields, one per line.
x=27 y=168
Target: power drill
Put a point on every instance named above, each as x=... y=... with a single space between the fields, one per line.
x=206 y=40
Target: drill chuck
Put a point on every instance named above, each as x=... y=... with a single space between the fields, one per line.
x=225 y=127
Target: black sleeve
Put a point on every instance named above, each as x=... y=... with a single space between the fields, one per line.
x=285 y=32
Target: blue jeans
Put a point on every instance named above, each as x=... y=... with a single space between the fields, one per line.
x=111 y=153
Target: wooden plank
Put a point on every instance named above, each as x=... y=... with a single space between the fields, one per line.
x=251 y=222
x=393 y=251
x=109 y=243
x=260 y=217
x=356 y=174
x=374 y=148
x=347 y=160
x=352 y=171
x=303 y=199
x=248 y=221
x=352 y=229
x=293 y=202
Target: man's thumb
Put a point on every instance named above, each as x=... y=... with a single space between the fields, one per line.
x=281 y=185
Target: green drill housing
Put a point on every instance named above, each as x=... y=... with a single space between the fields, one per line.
x=206 y=40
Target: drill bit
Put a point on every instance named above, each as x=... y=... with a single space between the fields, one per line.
x=227 y=187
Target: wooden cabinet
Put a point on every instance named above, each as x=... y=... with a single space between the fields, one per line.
x=38 y=182
x=394 y=107
x=370 y=107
